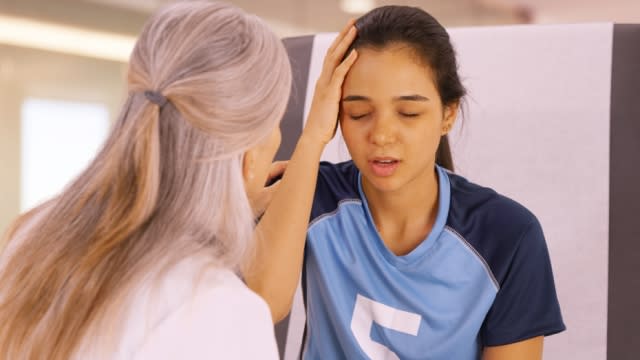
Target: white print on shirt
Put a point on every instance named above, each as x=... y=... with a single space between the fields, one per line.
x=367 y=311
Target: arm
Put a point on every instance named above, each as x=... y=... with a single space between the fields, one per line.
x=275 y=269
x=530 y=349
x=526 y=305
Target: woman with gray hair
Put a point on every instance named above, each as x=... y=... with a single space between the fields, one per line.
x=137 y=257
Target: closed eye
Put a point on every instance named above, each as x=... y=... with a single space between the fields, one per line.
x=409 y=114
x=358 y=117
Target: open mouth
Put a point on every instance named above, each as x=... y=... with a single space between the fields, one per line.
x=384 y=166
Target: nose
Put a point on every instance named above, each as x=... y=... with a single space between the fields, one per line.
x=382 y=132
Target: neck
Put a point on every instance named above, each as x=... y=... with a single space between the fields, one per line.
x=414 y=206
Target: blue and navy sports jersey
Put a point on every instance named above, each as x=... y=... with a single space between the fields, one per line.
x=482 y=276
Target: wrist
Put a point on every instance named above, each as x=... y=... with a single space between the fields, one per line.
x=311 y=140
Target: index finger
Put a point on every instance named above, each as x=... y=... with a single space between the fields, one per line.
x=341 y=35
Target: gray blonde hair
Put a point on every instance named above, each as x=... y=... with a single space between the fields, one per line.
x=166 y=185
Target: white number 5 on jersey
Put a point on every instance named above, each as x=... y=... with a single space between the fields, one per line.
x=366 y=312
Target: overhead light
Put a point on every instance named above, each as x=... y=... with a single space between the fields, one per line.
x=357 y=6
x=65 y=39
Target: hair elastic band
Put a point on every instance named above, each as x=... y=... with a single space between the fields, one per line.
x=155 y=97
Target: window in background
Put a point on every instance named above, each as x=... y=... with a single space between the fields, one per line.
x=59 y=139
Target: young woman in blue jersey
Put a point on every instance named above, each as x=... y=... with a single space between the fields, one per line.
x=402 y=258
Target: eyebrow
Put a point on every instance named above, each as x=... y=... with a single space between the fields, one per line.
x=355 y=98
x=397 y=98
x=411 y=98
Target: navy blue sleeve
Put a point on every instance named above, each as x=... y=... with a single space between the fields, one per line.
x=526 y=304
x=336 y=182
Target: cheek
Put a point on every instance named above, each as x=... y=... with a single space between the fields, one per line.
x=278 y=138
x=271 y=146
x=429 y=148
x=349 y=135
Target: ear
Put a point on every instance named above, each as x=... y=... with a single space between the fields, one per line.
x=450 y=116
x=248 y=161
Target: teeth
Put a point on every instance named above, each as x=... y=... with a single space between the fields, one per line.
x=385 y=161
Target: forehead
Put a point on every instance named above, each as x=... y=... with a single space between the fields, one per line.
x=394 y=70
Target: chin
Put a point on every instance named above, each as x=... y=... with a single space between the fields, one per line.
x=386 y=184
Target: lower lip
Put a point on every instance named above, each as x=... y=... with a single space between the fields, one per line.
x=382 y=169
